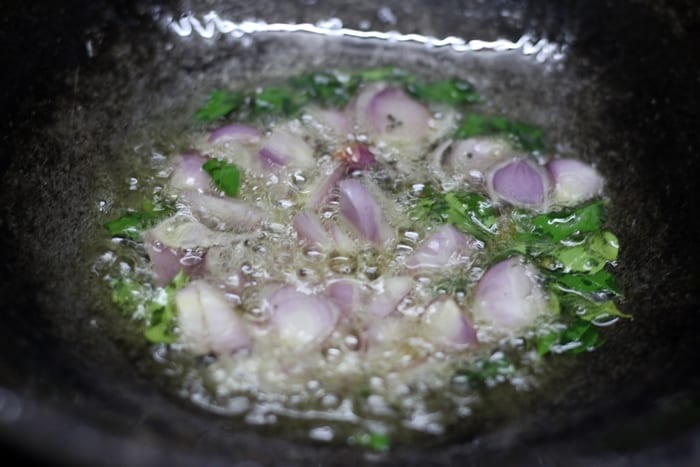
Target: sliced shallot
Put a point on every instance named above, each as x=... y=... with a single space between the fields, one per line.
x=445 y=323
x=508 y=296
x=362 y=211
x=189 y=175
x=237 y=132
x=285 y=148
x=444 y=247
x=392 y=291
x=207 y=321
x=223 y=213
x=519 y=182
x=396 y=119
x=472 y=157
x=299 y=318
x=574 y=181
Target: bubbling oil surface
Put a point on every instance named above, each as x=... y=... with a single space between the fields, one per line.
x=335 y=393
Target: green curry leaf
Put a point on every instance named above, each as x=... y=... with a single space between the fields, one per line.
x=524 y=136
x=219 y=105
x=226 y=176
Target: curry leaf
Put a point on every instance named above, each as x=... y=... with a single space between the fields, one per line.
x=161 y=311
x=326 y=89
x=226 y=177
x=133 y=223
x=453 y=91
x=277 y=100
x=589 y=256
x=561 y=224
x=220 y=104
x=601 y=282
x=471 y=213
x=379 y=442
x=524 y=136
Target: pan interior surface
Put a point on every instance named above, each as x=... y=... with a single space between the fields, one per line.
x=132 y=94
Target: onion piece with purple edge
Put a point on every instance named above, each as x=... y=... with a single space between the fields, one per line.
x=168 y=262
x=310 y=230
x=301 y=319
x=330 y=119
x=442 y=248
x=574 y=181
x=207 y=321
x=346 y=294
x=472 y=157
x=508 y=296
x=236 y=132
x=188 y=173
x=445 y=323
x=285 y=148
x=362 y=211
x=395 y=118
x=392 y=291
x=519 y=182
x=223 y=213
x=322 y=189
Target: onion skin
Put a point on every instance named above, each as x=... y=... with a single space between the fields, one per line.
x=444 y=323
x=573 y=181
x=362 y=211
x=207 y=321
x=189 y=175
x=301 y=319
x=519 y=182
x=508 y=296
x=236 y=132
x=445 y=246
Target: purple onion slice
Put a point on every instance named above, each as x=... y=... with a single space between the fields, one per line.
x=519 y=182
x=285 y=148
x=223 y=213
x=444 y=247
x=393 y=291
x=189 y=175
x=574 y=181
x=236 y=132
x=508 y=296
x=301 y=319
x=207 y=321
x=362 y=211
x=444 y=323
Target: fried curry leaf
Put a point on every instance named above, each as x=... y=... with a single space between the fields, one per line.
x=133 y=223
x=156 y=306
x=468 y=212
x=389 y=73
x=277 y=100
x=471 y=213
x=226 y=176
x=326 y=89
x=524 y=136
x=453 y=91
x=561 y=224
x=161 y=312
x=601 y=282
x=591 y=310
x=588 y=256
x=219 y=105
x=379 y=442
x=486 y=371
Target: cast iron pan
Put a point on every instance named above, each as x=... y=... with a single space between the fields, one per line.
x=80 y=83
